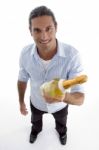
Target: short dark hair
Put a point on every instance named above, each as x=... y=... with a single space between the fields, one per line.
x=41 y=11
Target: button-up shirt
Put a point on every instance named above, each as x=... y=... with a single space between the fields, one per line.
x=66 y=64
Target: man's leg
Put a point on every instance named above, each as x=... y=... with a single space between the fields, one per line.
x=36 y=120
x=61 y=122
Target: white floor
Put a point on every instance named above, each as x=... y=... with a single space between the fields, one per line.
x=83 y=128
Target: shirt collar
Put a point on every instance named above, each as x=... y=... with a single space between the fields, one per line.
x=60 y=49
x=33 y=49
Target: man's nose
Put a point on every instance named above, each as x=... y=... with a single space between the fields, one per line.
x=44 y=35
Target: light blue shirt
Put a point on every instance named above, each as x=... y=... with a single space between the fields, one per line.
x=66 y=64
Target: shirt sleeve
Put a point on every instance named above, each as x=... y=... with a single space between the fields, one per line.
x=76 y=69
x=23 y=74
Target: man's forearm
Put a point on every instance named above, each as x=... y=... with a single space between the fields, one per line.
x=21 y=90
x=74 y=98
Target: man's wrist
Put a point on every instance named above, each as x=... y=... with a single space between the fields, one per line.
x=66 y=97
x=21 y=101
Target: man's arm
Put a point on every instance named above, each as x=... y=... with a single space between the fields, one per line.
x=74 y=98
x=21 y=92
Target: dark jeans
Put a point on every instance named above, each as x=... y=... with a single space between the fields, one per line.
x=59 y=116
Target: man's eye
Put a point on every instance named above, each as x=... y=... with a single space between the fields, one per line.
x=37 y=30
x=48 y=29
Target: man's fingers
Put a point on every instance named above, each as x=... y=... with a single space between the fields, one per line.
x=51 y=99
x=23 y=110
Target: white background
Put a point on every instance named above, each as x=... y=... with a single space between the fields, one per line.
x=78 y=25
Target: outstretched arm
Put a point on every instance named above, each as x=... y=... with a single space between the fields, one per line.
x=56 y=91
x=74 y=98
x=69 y=98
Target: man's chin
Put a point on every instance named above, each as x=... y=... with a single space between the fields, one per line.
x=44 y=45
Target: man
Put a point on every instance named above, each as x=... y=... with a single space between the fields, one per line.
x=43 y=61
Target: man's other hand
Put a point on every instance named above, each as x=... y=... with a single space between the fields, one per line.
x=23 y=109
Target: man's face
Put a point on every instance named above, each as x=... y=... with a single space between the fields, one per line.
x=43 y=31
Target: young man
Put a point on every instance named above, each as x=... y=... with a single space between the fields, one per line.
x=43 y=61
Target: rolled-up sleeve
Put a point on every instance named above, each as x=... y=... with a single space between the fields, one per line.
x=23 y=75
x=76 y=69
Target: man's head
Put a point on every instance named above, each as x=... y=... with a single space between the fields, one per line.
x=41 y=11
x=43 y=27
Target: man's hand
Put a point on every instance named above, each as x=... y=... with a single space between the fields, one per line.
x=56 y=90
x=23 y=109
x=52 y=99
x=51 y=92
